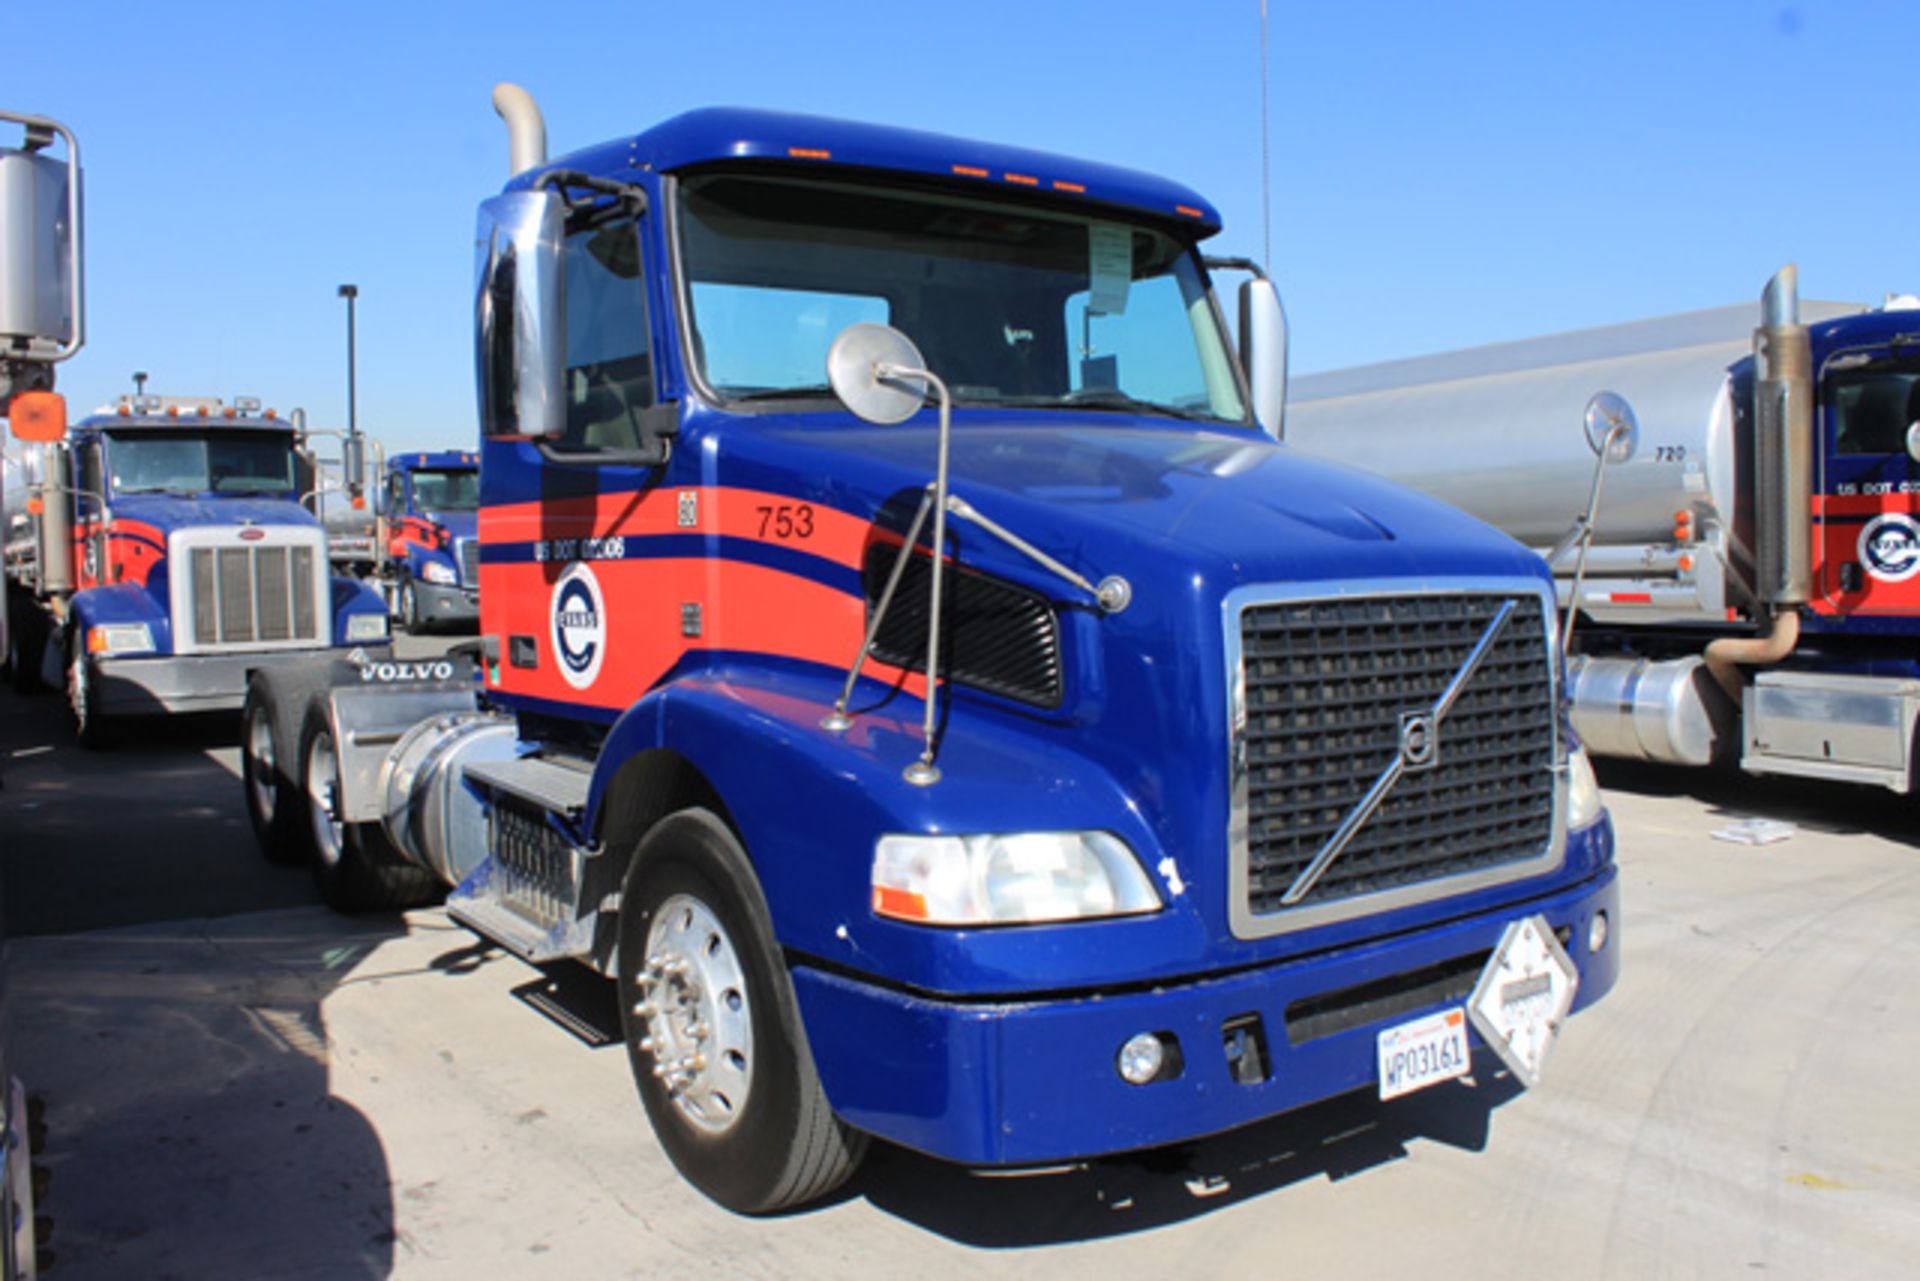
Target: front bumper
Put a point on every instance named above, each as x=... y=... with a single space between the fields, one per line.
x=192 y=682
x=1027 y=1082
x=441 y=604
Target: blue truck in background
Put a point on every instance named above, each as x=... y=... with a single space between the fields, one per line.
x=170 y=555
x=913 y=673
x=429 y=508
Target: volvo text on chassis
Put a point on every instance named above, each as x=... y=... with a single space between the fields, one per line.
x=1190 y=782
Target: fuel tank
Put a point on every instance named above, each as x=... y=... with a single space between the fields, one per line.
x=1497 y=430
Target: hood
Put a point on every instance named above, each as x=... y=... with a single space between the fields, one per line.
x=1106 y=498
x=167 y=512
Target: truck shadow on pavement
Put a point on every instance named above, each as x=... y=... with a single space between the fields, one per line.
x=1732 y=794
x=192 y=1130
x=1338 y=1139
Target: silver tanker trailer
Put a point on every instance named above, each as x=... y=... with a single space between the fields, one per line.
x=1748 y=583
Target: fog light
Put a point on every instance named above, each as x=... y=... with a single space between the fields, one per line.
x=1597 y=933
x=1141 y=1059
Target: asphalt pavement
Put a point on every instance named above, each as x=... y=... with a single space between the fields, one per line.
x=242 y=1085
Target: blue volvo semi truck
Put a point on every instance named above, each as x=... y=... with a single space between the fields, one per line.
x=910 y=669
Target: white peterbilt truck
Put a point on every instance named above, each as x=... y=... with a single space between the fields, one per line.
x=1747 y=583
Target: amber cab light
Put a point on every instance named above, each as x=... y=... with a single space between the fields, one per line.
x=38 y=416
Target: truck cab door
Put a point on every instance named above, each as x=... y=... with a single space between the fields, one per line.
x=1866 y=504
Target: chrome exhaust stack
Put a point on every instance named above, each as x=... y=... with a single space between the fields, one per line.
x=526 y=128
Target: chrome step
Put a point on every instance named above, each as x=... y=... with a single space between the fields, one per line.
x=543 y=783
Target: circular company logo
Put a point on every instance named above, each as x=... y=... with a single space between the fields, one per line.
x=579 y=626
x=1890 y=548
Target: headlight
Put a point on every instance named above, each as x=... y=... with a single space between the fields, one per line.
x=436 y=572
x=998 y=880
x=1583 y=790
x=119 y=638
x=366 y=627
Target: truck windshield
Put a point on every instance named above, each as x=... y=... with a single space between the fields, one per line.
x=447 y=491
x=225 y=462
x=1009 y=304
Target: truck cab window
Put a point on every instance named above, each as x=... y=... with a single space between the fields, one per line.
x=1872 y=406
x=447 y=491
x=609 y=362
x=1147 y=352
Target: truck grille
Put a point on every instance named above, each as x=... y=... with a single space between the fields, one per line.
x=1329 y=688
x=469 y=562
x=253 y=595
x=995 y=636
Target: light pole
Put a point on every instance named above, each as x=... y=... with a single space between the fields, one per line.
x=350 y=292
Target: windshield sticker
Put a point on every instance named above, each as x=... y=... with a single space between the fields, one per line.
x=1109 y=268
x=1890 y=548
x=579 y=626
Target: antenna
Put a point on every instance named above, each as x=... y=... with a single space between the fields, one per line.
x=1266 y=180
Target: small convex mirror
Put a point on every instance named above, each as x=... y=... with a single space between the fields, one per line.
x=1913 y=441
x=859 y=368
x=1611 y=426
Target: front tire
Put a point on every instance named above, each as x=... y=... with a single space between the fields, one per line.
x=354 y=866
x=410 y=608
x=713 y=1031
x=275 y=802
x=83 y=695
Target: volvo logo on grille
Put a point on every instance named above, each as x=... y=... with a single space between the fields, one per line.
x=1419 y=739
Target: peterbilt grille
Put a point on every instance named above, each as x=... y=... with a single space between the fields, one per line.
x=994 y=636
x=1329 y=685
x=252 y=595
x=470 y=562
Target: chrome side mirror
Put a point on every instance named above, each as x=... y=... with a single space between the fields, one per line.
x=1263 y=352
x=519 y=315
x=353 y=464
x=1913 y=441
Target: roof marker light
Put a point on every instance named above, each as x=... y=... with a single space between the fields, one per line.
x=1189 y=211
x=1076 y=188
x=809 y=153
x=231 y=412
x=1025 y=180
x=126 y=411
x=173 y=411
x=971 y=171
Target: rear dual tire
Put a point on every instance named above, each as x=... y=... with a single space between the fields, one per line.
x=354 y=866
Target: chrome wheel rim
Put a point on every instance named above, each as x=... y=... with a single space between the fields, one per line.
x=77 y=689
x=323 y=797
x=691 y=998
x=260 y=763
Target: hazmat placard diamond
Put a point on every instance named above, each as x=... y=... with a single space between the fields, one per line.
x=1524 y=996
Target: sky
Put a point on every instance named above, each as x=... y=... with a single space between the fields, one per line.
x=1441 y=174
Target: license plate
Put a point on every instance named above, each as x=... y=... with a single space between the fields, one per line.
x=1424 y=1052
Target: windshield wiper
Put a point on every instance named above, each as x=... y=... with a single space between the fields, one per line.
x=780 y=393
x=1108 y=399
